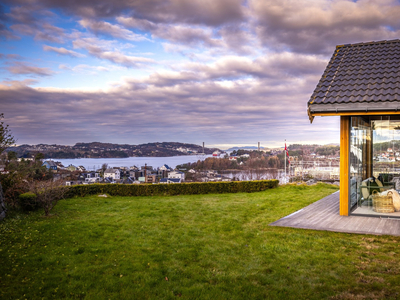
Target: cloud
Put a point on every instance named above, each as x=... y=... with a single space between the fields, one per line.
x=110 y=29
x=32 y=20
x=22 y=68
x=62 y=51
x=317 y=26
x=86 y=69
x=175 y=33
x=5 y=33
x=232 y=99
x=276 y=68
x=201 y=12
x=99 y=49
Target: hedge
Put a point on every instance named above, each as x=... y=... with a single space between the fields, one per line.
x=171 y=189
x=28 y=201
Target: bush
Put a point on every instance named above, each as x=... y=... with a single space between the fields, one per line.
x=28 y=201
x=171 y=189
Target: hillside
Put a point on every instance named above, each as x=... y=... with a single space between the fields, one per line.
x=109 y=150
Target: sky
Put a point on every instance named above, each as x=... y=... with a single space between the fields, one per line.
x=224 y=72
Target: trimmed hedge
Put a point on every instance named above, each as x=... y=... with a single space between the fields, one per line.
x=28 y=201
x=171 y=189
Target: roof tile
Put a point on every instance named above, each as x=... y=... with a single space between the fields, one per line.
x=364 y=72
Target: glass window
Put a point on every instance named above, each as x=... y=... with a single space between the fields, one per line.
x=374 y=162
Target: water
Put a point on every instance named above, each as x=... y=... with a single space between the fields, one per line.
x=155 y=162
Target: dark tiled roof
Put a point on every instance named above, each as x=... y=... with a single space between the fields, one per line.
x=364 y=73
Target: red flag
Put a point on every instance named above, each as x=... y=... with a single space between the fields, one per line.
x=287 y=153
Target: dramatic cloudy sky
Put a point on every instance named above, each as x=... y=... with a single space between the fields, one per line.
x=226 y=72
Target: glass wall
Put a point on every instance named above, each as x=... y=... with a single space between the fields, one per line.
x=374 y=162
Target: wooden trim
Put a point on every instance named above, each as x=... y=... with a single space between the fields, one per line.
x=369 y=113
x=344 y=165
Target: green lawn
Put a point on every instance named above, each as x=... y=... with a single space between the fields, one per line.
x=192 y=247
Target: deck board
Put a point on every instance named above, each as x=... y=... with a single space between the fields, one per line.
x=324 y=215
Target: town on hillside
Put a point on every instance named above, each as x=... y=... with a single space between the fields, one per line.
x=298 y=163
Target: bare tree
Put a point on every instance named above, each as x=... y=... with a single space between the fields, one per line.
x=6 y=138
x=48 y=193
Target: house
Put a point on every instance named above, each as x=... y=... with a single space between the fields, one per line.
x=177 y=174
x=71 y=168
x=109 y=180
x=91 y=177
x=25 y=159
x=49 y=164
x=60 y=166
x=233 y=158
x=170 y=180
x=81 y=168
x=69 y=183
x=360 y=86
x=115 y=174
x=148 y=178
x=216 y=153
x=166 y=168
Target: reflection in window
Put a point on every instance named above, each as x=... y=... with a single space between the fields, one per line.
x=374 y=160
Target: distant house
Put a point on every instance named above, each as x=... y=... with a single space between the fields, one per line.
x=91 y=177
x=166 y=168
x=69 y=183
x=216 y=153
x=71 y=168
x=81 y=168
x=176 y=174
x=233 y=158
x=115 y=174
x=60 y=166
x=246 y=155
x=108 y=180
x=25 y=159
x=170 y=180
x=148 y=178
x=49 y=164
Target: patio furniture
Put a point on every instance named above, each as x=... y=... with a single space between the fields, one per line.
x=368 y=187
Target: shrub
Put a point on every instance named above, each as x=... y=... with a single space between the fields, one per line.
x=49 y=193
x=171 y=189
x=28 y=201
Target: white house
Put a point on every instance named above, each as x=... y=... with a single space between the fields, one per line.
x=92 y=177
x=112 y=173
x=165 y=168
x=170 y=180
x=177 y=174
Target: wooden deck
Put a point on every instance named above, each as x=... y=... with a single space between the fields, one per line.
x=324 y=215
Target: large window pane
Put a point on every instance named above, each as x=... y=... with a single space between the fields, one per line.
x=374 y=161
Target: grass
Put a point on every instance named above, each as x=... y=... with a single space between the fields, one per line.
x=191 y=247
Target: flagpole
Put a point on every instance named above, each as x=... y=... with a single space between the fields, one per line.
x=285 y=161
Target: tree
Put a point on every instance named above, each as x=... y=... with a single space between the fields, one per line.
x=6 y=137
x=39 y=156
x=48 y=193
x=11 y=155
